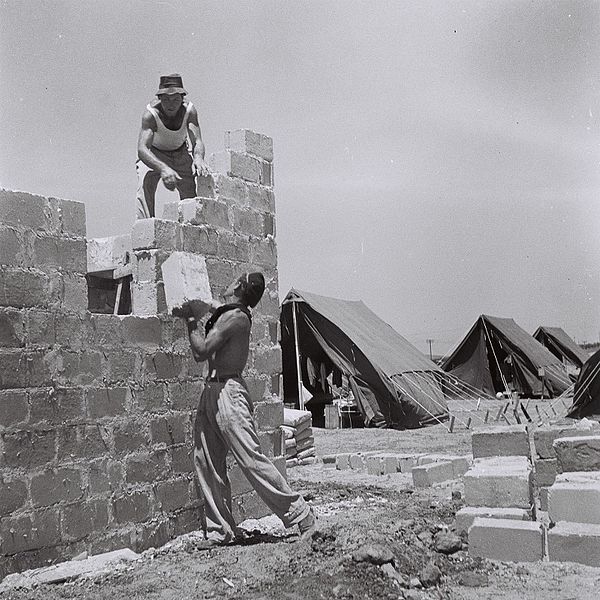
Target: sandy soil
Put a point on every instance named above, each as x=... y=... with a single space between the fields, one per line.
x=354 y=509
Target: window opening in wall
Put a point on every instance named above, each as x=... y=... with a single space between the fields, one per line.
x=109 y=292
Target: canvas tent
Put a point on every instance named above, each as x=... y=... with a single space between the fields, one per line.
x=561 y=345
x=586 y=397
x=497 y=355
x=393 y=383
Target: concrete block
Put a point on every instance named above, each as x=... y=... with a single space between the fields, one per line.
x=268 y=415
x=148 y=298
x=342 y=462
x=575 y=497
x=545 y=470
x=233 y=246
x=261 y=198
x=206 y=186
x=248 y=222
x=169 y=429
x=146 y=467
x=51 y=487
x=14 y=407
x=13 y=249
x=13 y=495
x=108 y=253
x=131 y=508
x=499 y=482
x=172 y=495
x=357 y=462
x=263 y=252
x=25 y=211
x=506 y=539
x=70 y=215
x=267 y=360
x=236 y=164
x=204 y=211
x=406 y=462
x=267 y=174
x=145 y=332
x=244 y=140
x=25 y=449
x=575 y=542
x=544 y=436
x=374 y=465
x=171 y=211
x=431 y=473
x=185 y=278
x=465 y=516
x=231 y=189
x=508 y=440
x=60 y=253
x=83 y=518
x=106 y=402
x=460 y=464
x=24 y=289
x=147 y=265
x=199 y=239
x=580 y=453
x=543 y=496
x=35 y=530
x=155 y=233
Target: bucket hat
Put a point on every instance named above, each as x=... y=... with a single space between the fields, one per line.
x=171 y=84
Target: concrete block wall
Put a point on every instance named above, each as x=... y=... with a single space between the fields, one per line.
x=96 y=411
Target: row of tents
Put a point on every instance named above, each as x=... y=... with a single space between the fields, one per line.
x=326 y=340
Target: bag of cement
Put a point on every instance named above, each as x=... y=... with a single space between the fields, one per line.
x=303 y=434
x=288 y=432
x=290 y=443
x=294 y=418
x=306 y=453
x=304 y=444
x=291 y=462
x=311 y=460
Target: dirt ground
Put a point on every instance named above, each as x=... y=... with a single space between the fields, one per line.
x=354 y=509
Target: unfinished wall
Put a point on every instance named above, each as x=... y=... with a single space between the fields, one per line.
x=96 y=410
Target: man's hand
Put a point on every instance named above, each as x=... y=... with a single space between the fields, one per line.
x=198 y=308
x=169 y=178
x=202 y=168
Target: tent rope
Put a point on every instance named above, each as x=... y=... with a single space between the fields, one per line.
x=417 y=402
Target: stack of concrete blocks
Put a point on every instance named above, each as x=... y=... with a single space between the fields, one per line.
x=574 y=501
x=545 y=462
x=432 y=469
x=499 y=497
x=96 y=410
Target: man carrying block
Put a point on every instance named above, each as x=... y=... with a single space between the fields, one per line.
x=224 y=419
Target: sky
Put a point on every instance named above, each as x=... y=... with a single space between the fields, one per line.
x=437 y=160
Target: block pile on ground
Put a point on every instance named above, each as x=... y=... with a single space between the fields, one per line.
x=499 y=497
x=502 y=516
x=298 y=436
x=426 y=469
x=574 y=501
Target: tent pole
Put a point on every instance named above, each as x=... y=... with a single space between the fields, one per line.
x=297 y=348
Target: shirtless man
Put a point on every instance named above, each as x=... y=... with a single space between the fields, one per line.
x=224 y=419
x=162 y=146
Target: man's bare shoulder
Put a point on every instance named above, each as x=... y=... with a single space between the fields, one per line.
x=234 y=319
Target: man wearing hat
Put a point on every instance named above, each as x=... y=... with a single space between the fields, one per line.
x=163 y=151
x=224 y=421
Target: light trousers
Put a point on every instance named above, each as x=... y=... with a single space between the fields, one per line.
x=224 y=423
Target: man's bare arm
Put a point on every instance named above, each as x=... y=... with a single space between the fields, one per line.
x=145 y=154
x=197 y=143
